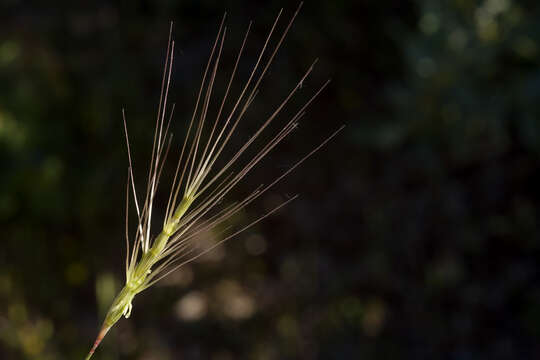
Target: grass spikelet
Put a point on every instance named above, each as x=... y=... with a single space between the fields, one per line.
x=198 y=187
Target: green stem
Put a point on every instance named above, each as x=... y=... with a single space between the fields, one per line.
x=136 y=282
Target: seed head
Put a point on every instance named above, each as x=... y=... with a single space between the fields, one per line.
x=199 y=186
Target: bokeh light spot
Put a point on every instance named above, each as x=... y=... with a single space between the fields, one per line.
x=425 y=67
x=374 y=317
x=255 y=244
x=9 y=51
x=429 y=23
x=76 y=274
x=191 y=307
x=236 y=303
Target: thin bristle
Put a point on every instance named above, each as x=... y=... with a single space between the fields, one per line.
x=127 y=228
x=195 y=111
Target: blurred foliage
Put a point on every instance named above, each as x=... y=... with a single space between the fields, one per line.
x=415 y=236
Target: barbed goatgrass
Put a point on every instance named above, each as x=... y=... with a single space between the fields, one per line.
x=198 y=186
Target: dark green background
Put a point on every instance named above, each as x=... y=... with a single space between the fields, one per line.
x=416 y=233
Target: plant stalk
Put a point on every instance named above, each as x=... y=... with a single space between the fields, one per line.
x=137 y=281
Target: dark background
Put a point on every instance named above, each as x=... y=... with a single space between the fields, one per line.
x=416 y=232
